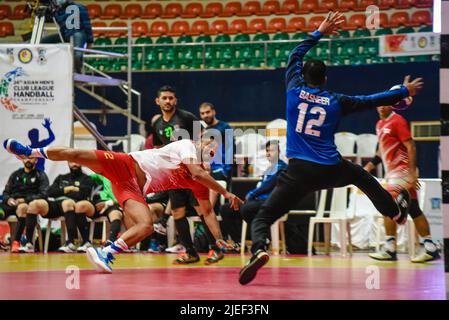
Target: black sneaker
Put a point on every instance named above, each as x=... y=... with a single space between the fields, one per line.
x=384 y=255
x=403 y=202
x=257 y=261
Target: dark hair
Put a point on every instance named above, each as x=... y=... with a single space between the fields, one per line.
x=314 y=72
x=166 y=88
x=207 y=104
x=272 y=142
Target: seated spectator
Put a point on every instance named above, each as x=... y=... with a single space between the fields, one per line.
x=232 y=220
x=25 y=187
x=107 y=205
x=71 y=193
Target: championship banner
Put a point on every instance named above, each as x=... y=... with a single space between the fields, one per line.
x=36 y=98
x=409 y=44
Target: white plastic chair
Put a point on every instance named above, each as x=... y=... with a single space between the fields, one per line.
x=137 y=143
x=105 y=230
x=338 y=214
x=82 y=138
x=366 y=146
x=47 y=233
x=345 y=142
x=12 y=220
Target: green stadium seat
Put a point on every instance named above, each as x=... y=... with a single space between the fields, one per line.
x=377 y=59
x=422 y=58
x=381 y=32
x=361 y=33
x=403 y=59
x=405 y=30
x=426 y=29
x=203 y=39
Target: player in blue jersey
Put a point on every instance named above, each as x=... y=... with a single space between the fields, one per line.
x=314 y=162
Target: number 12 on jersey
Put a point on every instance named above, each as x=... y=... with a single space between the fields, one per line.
x=311 y=123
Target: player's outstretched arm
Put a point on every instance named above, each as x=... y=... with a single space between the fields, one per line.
x=352 y=104
x=329 y=26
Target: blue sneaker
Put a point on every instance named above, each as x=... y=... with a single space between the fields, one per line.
x=16 y=148
x=100 y=260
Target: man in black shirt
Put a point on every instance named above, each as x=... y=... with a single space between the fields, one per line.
x=175 y=124
x=25 y=187
x=72 y=194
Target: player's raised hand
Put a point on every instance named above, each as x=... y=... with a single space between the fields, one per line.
x=331 y=24
x=413 y=86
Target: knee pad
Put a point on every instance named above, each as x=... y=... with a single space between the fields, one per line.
x=415 y=211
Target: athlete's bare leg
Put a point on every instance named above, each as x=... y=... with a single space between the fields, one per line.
x=86 y=158
x=139 y=220
x=205 y=209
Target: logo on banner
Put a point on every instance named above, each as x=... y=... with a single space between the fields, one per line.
x=42 y=56
x=25 y=56
x=5 y=82
x=422 y=42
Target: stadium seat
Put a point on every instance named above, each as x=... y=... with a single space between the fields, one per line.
x=199 y=27
x=399 y=19
x=99 y=24
x=172 y=10
x=142 y=41
x=219 y=27
x=381 y=32
x=403 y=59
x=363 y=4
x=152 y=10
x=158 y=28
x=424 y=3
x=421 y=18
x=102 y=41
x=192 y=10
x=238 y=26
x=212 y=9
x=296 y=24
x=20 y=13
x=377 y=59
x=426 y=29
x=405 y=30
x=117 y=33
x=5 y=11
x=123 y=43
x=256 y=25
x=6 y=29
x=140 y=29
x=326 y=5
x=386 y=4
x=356 y=22
x=111 y=11
x=422 y=58
x=94 y=11
x=314 y=23
x=405 y=4
x=289 y=7
x=347 y=5
x=179 y=28
x=384 y=23
x=308 y=6
x=231 y=9
x=250 y=8
x=276 y=25
x=132 y=11
x=361 y=33
x=270 y=7
x=203 y=39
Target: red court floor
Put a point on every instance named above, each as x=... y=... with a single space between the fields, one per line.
x=147 y=276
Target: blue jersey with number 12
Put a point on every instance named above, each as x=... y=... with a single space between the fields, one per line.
x=313 y=113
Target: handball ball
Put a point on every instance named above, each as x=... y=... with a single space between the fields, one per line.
x=404 y=103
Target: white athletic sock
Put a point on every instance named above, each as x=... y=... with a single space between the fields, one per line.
x=390 y=244
x=428 y=244
x=39 y=153
x=118 y=246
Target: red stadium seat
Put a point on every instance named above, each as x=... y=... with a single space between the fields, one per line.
x=19 y=13
x=250 y=8
x=356 y=21
x=238 y=26
x=327 y=5
x=384 y=22
x=276 y=25
x=99 y=32
x=219 y=27
x=296 y=24
x=386 y=4
x=424 y=3
x=117 y=33
x=112 y=11
x=270 y=7
x=179 y=28
x=256 y=26
x=158 y=28
x=199 y=27
x=139 y=29
x=363 y=4
x=421 y=18
x=347 y=5
x=192 y=10
x=132 y=11
x=152 y=11
x=405 y=4
x=308 y=6
x=289 y=7
x=172 y=10
x=5 y=11
x=400 y=19
x=94 y=10
x=212 y=9
x=6 y=29
x=314 y=23
x=231 y=9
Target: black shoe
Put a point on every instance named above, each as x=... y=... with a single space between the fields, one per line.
x=257 y=261
x=403 y=202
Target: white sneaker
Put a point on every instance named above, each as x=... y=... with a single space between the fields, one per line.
x=68 y=248
x=176 y=249
x=28 y=248
x=84 y=247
